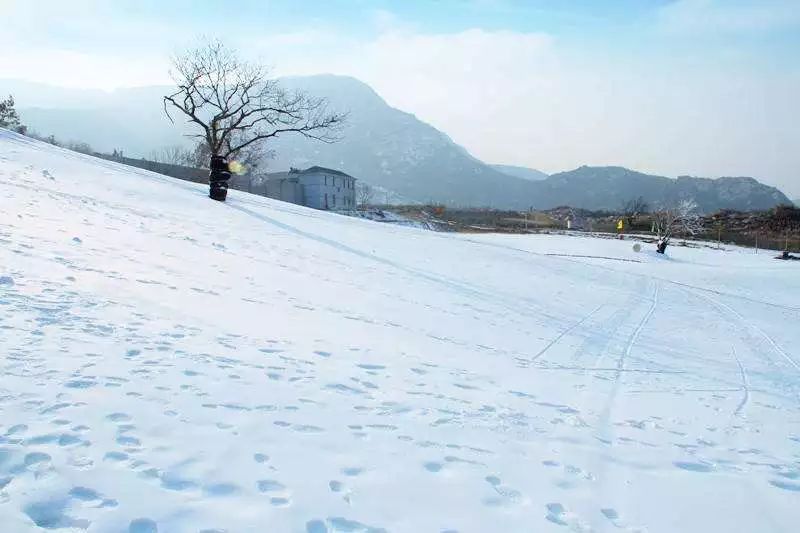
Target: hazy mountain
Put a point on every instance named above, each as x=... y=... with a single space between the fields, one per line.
x=610 y=187
x=395 y=150
x=129 y=119
x=521 y=172
x=380 y=145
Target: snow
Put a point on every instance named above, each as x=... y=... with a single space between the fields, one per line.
x=173 y=364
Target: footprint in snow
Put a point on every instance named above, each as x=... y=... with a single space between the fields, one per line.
x=143 y=525
x=52 y=514
x=505 y=494
x=702 y=467
x=613 y=516
x=558 y=514
x=333 y=524
x=270 y=485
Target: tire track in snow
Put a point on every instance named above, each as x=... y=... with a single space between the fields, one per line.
x=603 y=459
x=752 y=326
x=746 y=337
x=605 y=417
x=511 y=303
x=635 y=336
x=561 y=335
x=745 y=384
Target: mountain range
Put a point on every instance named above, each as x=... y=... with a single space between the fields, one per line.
x=521 y=172
x=380 y=145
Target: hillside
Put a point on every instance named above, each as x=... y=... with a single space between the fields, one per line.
x=175 y=364
x=521 y=172
x=598 y=188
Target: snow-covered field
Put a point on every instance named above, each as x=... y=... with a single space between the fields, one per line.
x=171 y=364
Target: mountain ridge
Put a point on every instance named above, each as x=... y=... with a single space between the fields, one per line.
x=386 y=147
x=527 y=173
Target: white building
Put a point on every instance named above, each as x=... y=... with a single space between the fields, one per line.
x=317 y=187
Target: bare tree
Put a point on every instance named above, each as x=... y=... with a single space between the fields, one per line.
x=680 y=219
x=249 y=159
x=173 y=155
x=634 y=208
x=78 y=146
x=365 y=195
x=235 y=105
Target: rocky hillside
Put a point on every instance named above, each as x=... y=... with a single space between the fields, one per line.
x=395 y=150
x=607 y=188
x=521 y=172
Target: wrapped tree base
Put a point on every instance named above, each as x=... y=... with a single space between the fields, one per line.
x=218 y=191
x=218 y=178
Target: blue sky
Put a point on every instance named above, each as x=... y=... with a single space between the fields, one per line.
x=703 y=87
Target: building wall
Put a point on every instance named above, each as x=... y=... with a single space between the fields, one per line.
x=286 y=190
x=197 y=175
x=328 y=191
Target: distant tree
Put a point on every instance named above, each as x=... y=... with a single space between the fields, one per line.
x=81 y=147
x=235 y=105
x=173 y=155
x=679 y=219
x=634 y=208
x=365 y=195
x=51 y=139
x=201 y=155
x=250 y=158
x=9 y=118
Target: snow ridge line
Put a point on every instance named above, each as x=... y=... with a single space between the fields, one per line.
x=755 y=328
x=560 y=335
x=745 y=384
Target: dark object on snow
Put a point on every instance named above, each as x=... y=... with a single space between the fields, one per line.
x=218 y=178
x=787 y=256
x=661 y=246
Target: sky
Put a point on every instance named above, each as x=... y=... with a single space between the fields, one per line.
x=672 y=87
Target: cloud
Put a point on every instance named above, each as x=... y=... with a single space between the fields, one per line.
x=67 y=68
x=552 y=101
x=530 y=99
x=729 y=16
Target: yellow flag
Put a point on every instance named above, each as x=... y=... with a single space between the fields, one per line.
x=620 y=225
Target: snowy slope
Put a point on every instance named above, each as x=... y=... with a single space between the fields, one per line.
x=167 y=367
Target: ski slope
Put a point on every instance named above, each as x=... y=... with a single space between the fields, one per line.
x=171 y=364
